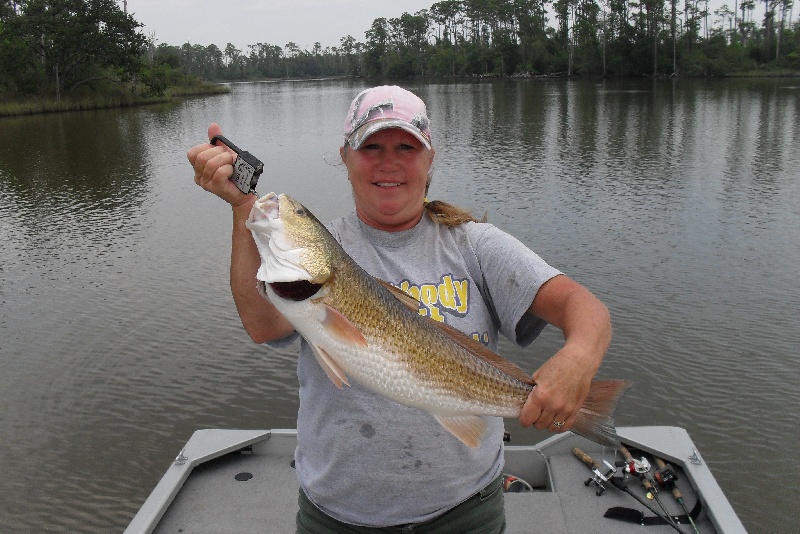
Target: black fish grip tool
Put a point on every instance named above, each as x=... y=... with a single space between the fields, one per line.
x=246 y=169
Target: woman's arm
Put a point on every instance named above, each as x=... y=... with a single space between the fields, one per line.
x=213 y=167
x=563 y=381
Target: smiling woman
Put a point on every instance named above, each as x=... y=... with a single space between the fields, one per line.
x=389 y=176
x=388 y=155
x=505 y=288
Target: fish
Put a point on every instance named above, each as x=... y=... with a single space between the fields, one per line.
x=364 y=329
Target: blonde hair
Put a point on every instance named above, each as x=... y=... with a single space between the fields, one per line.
x=449 y=215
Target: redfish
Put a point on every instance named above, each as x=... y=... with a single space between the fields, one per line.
x=364 y=329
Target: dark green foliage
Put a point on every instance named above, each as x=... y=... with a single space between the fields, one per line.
x=515 y=37
x=55 y=47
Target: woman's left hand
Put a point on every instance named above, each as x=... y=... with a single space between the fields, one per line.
x=562 y=384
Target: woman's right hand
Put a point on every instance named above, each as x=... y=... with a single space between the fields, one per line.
x=213 y=168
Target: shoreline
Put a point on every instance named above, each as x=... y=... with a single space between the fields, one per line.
x=45 y=106
x=42 y=106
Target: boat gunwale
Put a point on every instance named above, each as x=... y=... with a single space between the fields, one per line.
x=672 y=444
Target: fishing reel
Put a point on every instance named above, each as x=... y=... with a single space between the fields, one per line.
x=638 y=468
x=666 y=476
x=601 y=479
x=642 y=470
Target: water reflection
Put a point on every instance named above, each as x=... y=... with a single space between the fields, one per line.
x=68 y=181
x=675 y=202
x=88 y=156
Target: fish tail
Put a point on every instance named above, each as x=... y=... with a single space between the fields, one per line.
x=595 y=420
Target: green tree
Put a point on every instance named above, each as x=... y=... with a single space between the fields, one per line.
x=75 y=42
x=14 y=52
x=448 y=15
x=348 y=49
x=233 y=61
x=376 y=46
x=409 y=39
x=532 y=27
x=292 y=51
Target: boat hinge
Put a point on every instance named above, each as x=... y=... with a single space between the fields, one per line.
x=181 y=459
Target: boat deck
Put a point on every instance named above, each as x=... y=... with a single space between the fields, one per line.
x=252 y=488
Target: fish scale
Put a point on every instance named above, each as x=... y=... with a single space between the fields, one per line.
x=412 y=373
x=461 y=382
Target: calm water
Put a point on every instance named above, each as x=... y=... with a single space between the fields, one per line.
x=678 y=203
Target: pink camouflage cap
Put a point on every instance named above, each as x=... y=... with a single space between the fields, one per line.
x=386 y=106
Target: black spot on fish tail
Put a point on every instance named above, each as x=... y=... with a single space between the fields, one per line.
x=299 y=290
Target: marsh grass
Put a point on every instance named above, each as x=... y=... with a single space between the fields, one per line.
x=762 y=73
x=31 y=106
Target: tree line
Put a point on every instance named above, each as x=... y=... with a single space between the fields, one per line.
x=62 y=46
x=515 y=37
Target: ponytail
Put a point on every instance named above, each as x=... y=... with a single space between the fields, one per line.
x=442 y=212
x=449 y=215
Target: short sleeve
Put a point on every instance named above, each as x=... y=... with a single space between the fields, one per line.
x=512 y=275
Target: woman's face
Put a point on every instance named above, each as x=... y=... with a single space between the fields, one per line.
x=389 y=175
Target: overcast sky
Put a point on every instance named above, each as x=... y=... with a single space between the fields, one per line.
x=276 y=22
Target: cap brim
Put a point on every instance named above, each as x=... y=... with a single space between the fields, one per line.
x=360 y=135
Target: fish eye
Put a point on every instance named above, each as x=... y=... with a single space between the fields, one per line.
x=300 y=211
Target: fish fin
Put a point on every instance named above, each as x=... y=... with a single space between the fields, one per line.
x=467 y=428
x=481 y=351
x=595 y=419
x=340 y=327
x=405 y=299
x=331 y=368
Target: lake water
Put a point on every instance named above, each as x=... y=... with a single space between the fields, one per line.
x=676 y=202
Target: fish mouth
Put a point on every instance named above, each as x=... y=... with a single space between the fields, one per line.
x=268 y=208
x=281 y=259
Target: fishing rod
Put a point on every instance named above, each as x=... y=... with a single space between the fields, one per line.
x=640 y=468
x=601 y=478
x=667 y=478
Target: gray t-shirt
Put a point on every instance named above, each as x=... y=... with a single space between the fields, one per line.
x=366 y=460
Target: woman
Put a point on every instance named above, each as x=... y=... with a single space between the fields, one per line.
x=366 y=463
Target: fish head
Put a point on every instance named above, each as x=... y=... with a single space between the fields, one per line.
x=292 y=243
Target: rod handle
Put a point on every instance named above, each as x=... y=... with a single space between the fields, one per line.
x=585 y=458
x=626 y=453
